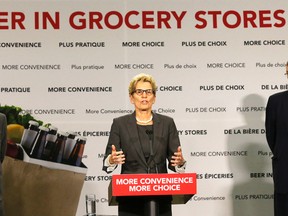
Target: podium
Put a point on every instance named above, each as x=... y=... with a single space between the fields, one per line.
x=181 y=186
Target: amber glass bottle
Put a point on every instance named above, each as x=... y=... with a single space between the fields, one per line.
x=75 y=158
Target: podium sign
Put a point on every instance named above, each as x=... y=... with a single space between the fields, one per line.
x=181 y=186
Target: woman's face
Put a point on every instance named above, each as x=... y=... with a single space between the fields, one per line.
x=143 y=100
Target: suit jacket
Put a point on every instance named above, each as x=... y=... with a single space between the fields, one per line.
x=3 y=143
x=3 y=136
x=276 y=124
x=124 y=135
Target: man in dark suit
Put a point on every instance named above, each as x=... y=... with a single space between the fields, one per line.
x=3 y=137
x=143 y=142
x=276 y=124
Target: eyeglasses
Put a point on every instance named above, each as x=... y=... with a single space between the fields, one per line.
x=141 y=91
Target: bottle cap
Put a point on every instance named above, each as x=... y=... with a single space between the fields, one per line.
x=62 y=133
x=35 y=123
x=43 y=128
x=51 y=127
x=81 y=138
x=72 y=134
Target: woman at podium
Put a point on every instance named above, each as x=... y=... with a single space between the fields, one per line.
x=143 y=142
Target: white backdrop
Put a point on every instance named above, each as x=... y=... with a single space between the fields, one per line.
x=215 y=63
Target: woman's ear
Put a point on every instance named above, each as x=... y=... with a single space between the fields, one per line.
x=131 y=99
x=154 y=99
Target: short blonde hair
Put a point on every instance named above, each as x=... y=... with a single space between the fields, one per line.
x=144 y=78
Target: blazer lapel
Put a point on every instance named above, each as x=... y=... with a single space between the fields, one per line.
x=284 y=106
x=134 y=138
x=157 y=131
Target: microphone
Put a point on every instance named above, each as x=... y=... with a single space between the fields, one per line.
x=149 y=133
x=152 y=156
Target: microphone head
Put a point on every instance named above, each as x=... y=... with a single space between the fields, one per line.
x=149 y=132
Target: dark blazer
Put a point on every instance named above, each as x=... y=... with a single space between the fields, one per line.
x=276 y=124
x=124 y=135
x=3 y=136
x=3 y=146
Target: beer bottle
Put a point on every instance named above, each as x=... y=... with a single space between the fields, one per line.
x=29 y=136
x=69 y=145
x=39 y=143
x=50 y=142
x=57 y=151
x=75 y=158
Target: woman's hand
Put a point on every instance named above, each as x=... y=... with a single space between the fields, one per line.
x=177 y=158
x=117 y=157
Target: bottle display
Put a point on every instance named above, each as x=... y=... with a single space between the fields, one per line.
x=52 y=145
x=29 y=136
x=58 y=150
x=75 y=158
x=39 y=143
x=50 y=142
x=70 y=143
